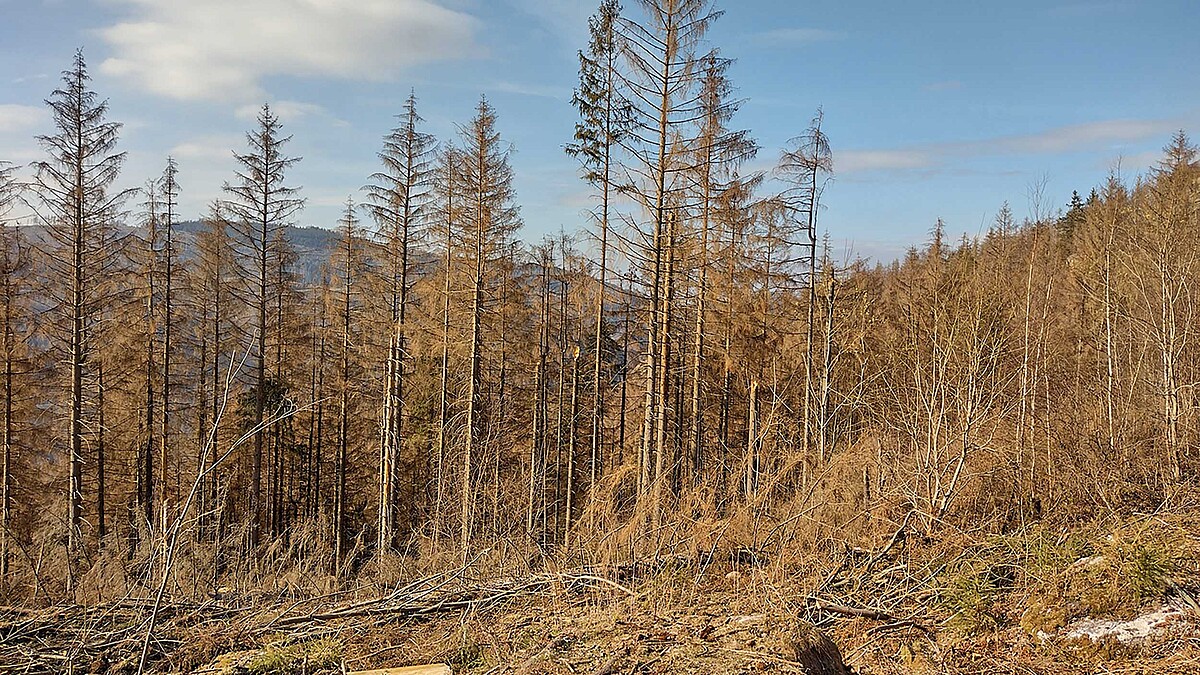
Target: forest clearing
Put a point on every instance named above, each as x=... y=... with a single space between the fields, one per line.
x=687 y=438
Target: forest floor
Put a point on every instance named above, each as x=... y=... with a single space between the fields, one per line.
x=715 y=626
x=1114 y=596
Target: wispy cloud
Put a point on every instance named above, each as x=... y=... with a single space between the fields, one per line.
x=20 y=117
x=209 y=148
x=291 y=111
x=1080 y=136
x=288 y=111
x=563 y=19
x=1132 y=163
x=1089 y=136
x=856 y=161
x=538 y=90
x=30 y=78
x=796 y=37
x=222 y=49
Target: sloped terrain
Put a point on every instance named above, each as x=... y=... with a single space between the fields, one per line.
x=1128 y=606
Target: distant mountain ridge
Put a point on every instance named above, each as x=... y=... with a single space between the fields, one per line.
x=313 y=245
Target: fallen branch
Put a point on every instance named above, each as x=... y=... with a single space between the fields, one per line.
x=863 y=612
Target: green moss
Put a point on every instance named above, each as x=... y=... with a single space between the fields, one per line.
x=283 y=659
x=1044 y=617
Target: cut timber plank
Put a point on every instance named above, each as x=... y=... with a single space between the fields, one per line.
x=430 y=669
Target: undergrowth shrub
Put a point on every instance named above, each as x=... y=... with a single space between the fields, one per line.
x=317 y=656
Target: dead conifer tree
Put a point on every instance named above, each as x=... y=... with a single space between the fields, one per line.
x=14 y=264
x=346 y=263
x=260 y=204
x=806 y=168
x=717 y=155
x=74 y=198
x=604 y=118
x=489 y=219
x=659 y=81
x=399 y=199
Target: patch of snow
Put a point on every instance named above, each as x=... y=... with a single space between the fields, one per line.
x=1090 y=562
x=748 y=619
x=1130 y=631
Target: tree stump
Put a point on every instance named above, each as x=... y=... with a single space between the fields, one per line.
x=816 y=653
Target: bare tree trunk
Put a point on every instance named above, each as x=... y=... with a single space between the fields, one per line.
x=339 y=513
x=570 y=496
x=560 y=423
x=666 y=316
x=624 y=381
x=319 y=451
x=203 y=477
x=806 y=430
x=148 y=477
x=537 y=448
x=1168 y=347
x=473 y=443
x=750 y=488
x=598 y=386
x=652 y=442
x=697 y=409
x=169 y=193
x=7 y=429
x=101 y=478
x=260 y=379
x=824 y=449
x=444 y=391
x=348 y=263
x=78 y=360
x=1025 y=414
x=1109 y=351
x=725 y=432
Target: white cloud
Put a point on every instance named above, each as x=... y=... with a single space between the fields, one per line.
x=14 y=118
x=17 y=126
x=213 y=147
x=1132 y=164
x=536 y=90
x=221 y=49
x=1105 y=135
x=566 y=19
x=1080 y=136
x=851 y=161
x=30 y=78
x=286 y=111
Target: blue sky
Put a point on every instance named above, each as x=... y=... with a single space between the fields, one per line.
x=934 y=109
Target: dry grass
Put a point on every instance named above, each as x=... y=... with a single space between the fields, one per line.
x=843 y=549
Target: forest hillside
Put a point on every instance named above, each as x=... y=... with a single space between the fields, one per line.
x=673 y=441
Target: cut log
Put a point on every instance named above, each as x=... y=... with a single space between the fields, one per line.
x=430 y=669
